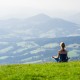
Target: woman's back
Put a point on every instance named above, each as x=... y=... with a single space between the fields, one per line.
x=63 y=56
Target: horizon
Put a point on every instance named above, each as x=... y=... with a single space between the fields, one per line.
x=67 y=17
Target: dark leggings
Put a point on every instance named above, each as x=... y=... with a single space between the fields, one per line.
x=57 y=59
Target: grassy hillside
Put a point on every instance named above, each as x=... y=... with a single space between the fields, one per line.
x=45 y=71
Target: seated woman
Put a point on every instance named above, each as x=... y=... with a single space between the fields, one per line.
x=62 y=54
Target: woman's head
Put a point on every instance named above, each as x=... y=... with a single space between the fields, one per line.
x=62 y=45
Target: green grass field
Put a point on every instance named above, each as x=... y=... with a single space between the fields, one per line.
x=44 y=71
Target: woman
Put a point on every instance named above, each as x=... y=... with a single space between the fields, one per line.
x=62 y=54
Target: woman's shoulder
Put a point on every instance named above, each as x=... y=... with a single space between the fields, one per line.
x=62 y=51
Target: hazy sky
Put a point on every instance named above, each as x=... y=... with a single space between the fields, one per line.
x=26 y=8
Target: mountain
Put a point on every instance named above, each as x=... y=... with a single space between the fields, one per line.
x=39 y=26
x=40 y=18
x=58 y=27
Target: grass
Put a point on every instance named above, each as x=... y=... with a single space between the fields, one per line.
x=44 y=71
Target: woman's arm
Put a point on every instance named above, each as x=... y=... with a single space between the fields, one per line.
x=56 y=56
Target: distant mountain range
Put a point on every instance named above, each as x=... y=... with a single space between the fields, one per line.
x=39 y=26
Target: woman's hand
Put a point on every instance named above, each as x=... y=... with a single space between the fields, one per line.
x=54 y=56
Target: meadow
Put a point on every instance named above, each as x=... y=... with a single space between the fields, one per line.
x=42 y=71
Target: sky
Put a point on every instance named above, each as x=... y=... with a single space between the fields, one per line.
x=27 y=8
